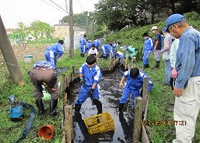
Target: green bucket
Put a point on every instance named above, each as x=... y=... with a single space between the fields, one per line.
x=28 y=58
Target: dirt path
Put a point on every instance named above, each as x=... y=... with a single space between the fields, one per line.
x=20 y=52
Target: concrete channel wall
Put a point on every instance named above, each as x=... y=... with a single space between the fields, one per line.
x=141 y=106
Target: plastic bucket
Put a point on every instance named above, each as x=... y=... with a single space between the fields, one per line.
x=28 y=58
x=46 y=132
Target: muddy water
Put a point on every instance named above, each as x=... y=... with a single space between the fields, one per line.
x=110 y=96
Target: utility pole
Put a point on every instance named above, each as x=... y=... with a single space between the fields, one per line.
x=87 y=23
x=93 y=26
x=9 y=56
x=71 y=30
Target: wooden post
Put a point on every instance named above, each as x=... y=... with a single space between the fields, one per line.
x=97 y=62
x=63 y=118
x=126 y=63
x=65 y=99
x=9 y=56
x=137 y=120
x=68 y=124
x=111 y=62
x=135 y=64
x=63 y=86
x=145 y=93
x=145 y=138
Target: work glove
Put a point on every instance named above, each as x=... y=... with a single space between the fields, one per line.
x=82 y=81
x=91 y=92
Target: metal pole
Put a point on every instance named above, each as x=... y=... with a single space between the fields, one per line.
x=87 y=24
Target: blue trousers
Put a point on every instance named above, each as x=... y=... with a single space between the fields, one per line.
x=50 y=57
x=84 y=94
x=146 y=57
x=126 y=92
x=168 y=70
x=104 y=52
x=82 y=49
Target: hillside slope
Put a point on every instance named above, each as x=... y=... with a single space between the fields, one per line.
x=161 y=95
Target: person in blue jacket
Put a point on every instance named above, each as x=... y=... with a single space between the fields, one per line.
x=54 y=52
x=97 y=43
x=107 y=50
x=119 y=55
x=90 y=75
x=114 y=45
x=88 y=45
x=134 y=82
x=148 y=45
x=82 y=45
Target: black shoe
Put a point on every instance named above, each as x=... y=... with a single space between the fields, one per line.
x=53 y=109
x=121 y=107
x=40 y=107
x=99 y=105
x=77 y=108
x=146 y=66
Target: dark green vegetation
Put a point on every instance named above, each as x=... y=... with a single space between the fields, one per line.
x=119 y=14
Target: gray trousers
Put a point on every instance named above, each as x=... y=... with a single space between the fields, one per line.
x=157 y=55
x=39 y=76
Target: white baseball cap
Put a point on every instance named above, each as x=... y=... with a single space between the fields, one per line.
x=154 y=28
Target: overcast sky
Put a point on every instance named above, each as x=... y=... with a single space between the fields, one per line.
x=27 y=11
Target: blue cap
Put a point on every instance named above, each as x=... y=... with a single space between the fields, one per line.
x=174 y=18
x=164 y=29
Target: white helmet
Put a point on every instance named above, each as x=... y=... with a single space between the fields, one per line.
x=154 y=28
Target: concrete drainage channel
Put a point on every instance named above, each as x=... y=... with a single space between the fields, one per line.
x=74 y=127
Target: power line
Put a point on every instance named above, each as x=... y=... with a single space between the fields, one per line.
x=66 y=5
x=59 y=6
x=53 y=6
x=80 y=5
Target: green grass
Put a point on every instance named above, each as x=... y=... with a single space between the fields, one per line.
x=66 y=61
x=11 y=131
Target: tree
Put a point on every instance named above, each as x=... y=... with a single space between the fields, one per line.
x=117 y=14
x=22 y=31
x=41 y=31
x=78 y=19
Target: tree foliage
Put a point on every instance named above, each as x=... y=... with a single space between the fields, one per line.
x=38 y=30
x=119 y=14
x=78 y=19
x=41 y=31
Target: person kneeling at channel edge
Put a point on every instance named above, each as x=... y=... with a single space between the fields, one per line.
x=44 y=73
x=90 y=75
x=134 y=82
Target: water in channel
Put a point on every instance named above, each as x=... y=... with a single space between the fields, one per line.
x=110 y=96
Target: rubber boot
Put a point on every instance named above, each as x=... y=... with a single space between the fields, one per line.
x=53 y=109
x=77 y=108
x=40 y=106
x=121 y=107
x=146 y=66
x=99 y=105
x=158 y=64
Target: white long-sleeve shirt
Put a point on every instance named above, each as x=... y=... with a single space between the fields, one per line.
x=173 y=51
x=91 y=51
